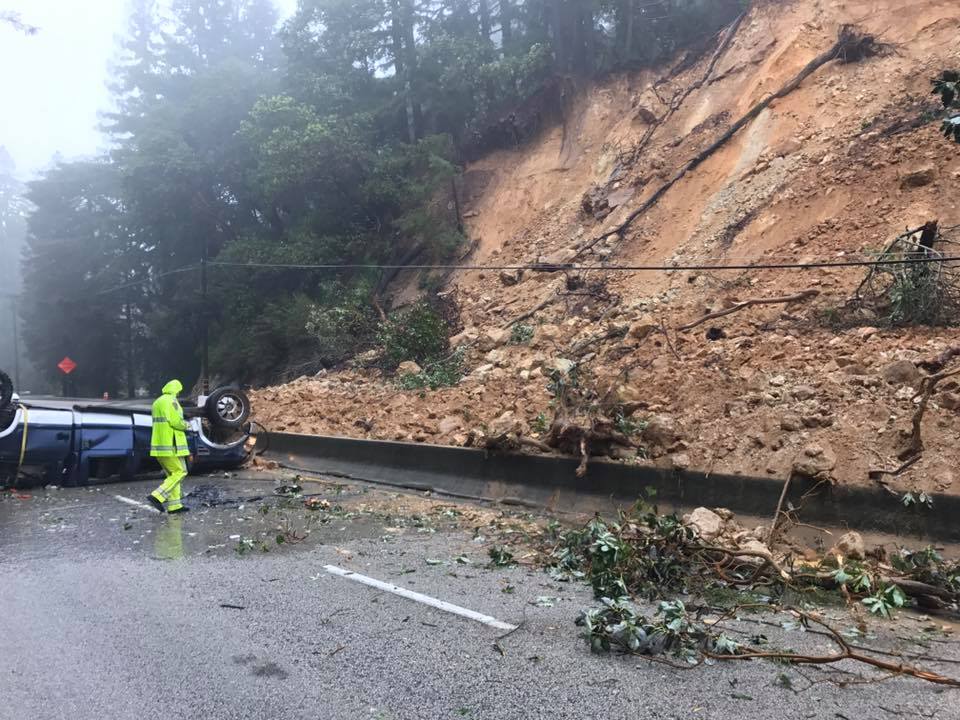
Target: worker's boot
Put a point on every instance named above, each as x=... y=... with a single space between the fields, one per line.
x=156 y=503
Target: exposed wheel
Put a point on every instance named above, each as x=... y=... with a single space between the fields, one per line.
x=227 y=407
x=6 y=390
x=7 y=416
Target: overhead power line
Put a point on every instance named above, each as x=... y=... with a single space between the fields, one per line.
x=550 y=267
x=152 y=278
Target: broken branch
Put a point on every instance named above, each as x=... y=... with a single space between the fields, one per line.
x=776 y=513
x=846 y=653
x=805 y=295
x=534 y=311
x=916 y=439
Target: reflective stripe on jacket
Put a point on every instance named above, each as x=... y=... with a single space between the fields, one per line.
x=169 y=438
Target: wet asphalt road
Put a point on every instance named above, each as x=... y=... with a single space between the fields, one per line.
x=110 y=611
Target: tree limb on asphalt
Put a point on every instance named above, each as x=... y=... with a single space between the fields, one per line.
x=805 y=295
x=846 y=652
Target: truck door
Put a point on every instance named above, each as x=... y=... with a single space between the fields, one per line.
x=106 y=444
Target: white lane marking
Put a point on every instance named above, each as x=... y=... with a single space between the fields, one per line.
x=425 y=599
x=136 y=503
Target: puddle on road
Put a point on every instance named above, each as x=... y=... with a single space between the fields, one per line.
x=327 y=513
x=241 y=517
x=229 y=517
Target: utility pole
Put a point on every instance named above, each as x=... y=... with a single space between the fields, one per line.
x=131 y=381
x=16 y=341
x=205 y=321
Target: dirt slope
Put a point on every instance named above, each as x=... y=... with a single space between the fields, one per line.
x=833 y=169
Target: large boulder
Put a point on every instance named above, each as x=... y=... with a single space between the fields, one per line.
x=708 y=524
x=560 y=257
x=468 y=336
x=949 y=401
x=496 y=357
x=511 y=277
x=450 y=424
x=918 y=177
x=789 y=146
x=547 y=336
x=755 y=547
x=491 y=338
x=902 y=372
x=616 y=390
x=850 y=546
x=661 y=431
x=642 y=327
x=791 y=422
x=409 y=367
x=815 y=460
x=506 y=424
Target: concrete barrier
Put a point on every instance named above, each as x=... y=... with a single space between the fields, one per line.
x=551 y=482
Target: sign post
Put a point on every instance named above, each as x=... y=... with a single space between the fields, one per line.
x=66 y=366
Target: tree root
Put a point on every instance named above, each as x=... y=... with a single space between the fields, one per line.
x=805 y=295
x=598 y=439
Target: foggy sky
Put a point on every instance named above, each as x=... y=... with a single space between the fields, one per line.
x=54 y=84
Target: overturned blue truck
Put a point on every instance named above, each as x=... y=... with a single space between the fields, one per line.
x=75 y=442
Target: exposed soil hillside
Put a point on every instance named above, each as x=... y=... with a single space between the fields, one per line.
x=840 y=166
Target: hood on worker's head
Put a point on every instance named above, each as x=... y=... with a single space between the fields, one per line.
x=174 y=387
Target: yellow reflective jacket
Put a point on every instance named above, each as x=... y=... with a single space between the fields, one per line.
x=169 y=437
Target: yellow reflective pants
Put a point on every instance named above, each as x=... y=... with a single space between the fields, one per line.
x=169 y=492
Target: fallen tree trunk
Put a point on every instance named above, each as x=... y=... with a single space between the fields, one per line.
x=850 y=45
x=677 y=102
x=805 y=295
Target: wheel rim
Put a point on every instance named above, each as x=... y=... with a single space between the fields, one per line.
x=230 y=408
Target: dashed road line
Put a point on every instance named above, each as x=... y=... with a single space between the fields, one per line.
x=420 y=598
x=136 y=503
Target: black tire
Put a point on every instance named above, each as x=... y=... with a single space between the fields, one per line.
x=6 y=390
x=227 y=407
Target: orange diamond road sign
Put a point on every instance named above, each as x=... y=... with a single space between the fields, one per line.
x=67 y=366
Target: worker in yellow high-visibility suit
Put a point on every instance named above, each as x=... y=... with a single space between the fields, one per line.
x=168 y=445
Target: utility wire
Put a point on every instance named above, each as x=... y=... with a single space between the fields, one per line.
x=601 y=268
x=137 y=283
x=548 y=267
